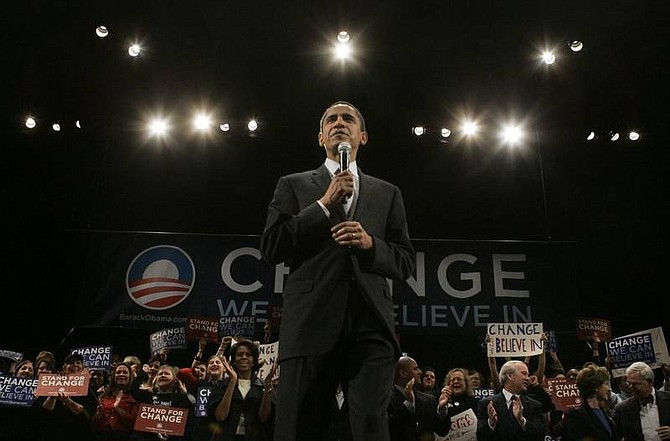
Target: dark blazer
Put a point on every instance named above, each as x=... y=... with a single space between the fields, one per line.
x=508 y=429
x=418 y=425
x=583 y=424
x=626 y=416
x=297 y=232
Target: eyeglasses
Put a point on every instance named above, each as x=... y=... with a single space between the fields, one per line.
x=634 y=383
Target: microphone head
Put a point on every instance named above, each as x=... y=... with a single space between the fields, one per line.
x=344 y=147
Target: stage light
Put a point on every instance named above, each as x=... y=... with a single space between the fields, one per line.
x=252 y=125
x=202 y=122
x=31 y=123
x=634 y=136
x=419 y=130
x=77 y=124
x=225 y=127
x=548 y=57
x=445 y=132
x=134 y=50
x=55 y=127
x=614 y=136
x=511 y=134
x=576 y=46
x=158 y=127
x=343 y=37
x=101 y=31
x=470 y=128
x=591 y=136
x=343 y=51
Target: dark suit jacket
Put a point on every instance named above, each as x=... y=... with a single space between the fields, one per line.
x=297 y=232
x=583 y=424
x=626 y=416
x=418 y=425
x=508 y=429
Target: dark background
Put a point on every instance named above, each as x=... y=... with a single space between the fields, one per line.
x=416 y=62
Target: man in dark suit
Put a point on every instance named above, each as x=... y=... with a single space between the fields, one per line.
x=646 y=414
x=414 y=415
x=342 y=233
x=510 y=415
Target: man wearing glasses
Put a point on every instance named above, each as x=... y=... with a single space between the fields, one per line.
x=645 y=416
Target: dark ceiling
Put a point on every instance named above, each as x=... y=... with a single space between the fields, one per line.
x=416 y=62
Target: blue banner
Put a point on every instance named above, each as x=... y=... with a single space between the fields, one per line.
x=157 y=281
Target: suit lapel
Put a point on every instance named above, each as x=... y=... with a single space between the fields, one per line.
x=365 y=192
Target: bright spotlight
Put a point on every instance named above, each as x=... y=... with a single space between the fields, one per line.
x=548 y=57
x=30 y=122
x=470 y=128
x=202 y=122
x=252 y=125
x=634 y=136
x=512 y=134
x=158 y=127
x=101 y=31
x=225 y=127
x=591 y=136
x=343 y=51
x=445 y=132
x=576 y=46
x=134 y=50
x=55 y=127
x=419 y=130
x=614 y=136
x=77 y=124
x=343 y=37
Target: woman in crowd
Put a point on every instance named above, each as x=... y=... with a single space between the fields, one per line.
x=590 y=421
x=115 y=415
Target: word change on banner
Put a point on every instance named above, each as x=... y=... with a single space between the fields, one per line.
x=173 y=338
x=239 y=325
x=267 y=357
x=170 y=421
x=483 y=392
x=588 y=327
x=201 y=400
x=96 y=358
x=202 y=328
x=564 y=393
x=16 y=391
x=51 y=385
x=463 y=427
x=647 y=346
x=514 y=339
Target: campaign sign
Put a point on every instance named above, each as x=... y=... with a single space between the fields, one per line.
x=564 y=393
x=165 y=420
x=514 y=339
x=588 y=327
x=96 y=358
x=463 y=427
x=483 y=392
x=238 y=325
x=659 y=348
x=16 y=391
x=623 y=351
x=551 y=343
x=201 y=401
x=173 y=338
x=52 y=385
x=267 y=357
x=202 y=328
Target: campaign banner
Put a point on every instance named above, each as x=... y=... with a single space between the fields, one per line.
x=201 y=400
x=96 y=358
x=173 y=338
x=202 y=328
x=483 y=392
x=53 y=385
x=238 y=325
x=514 y=339
x=463 y=427
x=551 y=343
x=16 y=391
x=165 y=420
x=155 y=281
x=564 y=393
x=588 y=327
x=647 y=346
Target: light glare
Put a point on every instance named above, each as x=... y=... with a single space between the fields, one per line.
x=134 y=50
x=591 y=136
x=512 y=134
x=252 y=125
x=30 y=122
x=101 y=31
x=343 y=37
x=634 y=136
x=548 y=57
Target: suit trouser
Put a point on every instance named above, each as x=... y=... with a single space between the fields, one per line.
x=362 y=360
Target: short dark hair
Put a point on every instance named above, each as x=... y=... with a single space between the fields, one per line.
x=73 y=358
x=343 y=103
x=252 y=348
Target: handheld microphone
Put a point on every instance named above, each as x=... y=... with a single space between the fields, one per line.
x=344 y=150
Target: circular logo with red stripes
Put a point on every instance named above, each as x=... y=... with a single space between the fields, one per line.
x=160 y=277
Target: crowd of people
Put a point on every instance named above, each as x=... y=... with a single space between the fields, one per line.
x=423 y=405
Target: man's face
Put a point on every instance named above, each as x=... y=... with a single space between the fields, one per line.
x=517 y=382
x=429 y=379
x=341 y=124
x=639 y=387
